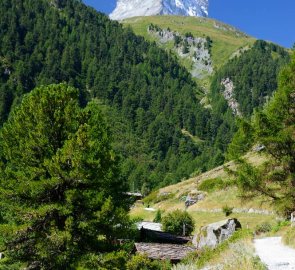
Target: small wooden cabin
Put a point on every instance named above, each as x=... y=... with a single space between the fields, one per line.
x=171 y=252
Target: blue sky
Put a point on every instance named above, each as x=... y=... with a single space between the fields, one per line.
x=265 y=19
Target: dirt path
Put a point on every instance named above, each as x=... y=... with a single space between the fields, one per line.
x=274 y=254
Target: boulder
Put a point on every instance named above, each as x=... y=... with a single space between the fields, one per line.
x=194 y=197
x=215 y=233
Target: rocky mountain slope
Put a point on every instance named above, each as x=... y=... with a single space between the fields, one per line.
x=210 y=49
x=184 y=37
x=133 y=8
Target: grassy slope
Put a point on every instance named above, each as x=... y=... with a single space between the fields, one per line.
x=226 y=39
x=235 y=253
x=204 y=211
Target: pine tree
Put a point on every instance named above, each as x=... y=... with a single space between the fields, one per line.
x=60 y=192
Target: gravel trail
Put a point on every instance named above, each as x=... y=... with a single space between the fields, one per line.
x=274 y=254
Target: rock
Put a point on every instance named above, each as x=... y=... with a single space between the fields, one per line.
x=230 y=97
x=197 y=51
x=194 y=197
x=215 y=233
x=258 y=148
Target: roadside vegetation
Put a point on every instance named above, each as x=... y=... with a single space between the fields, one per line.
x=234 y=253
x=289 y=237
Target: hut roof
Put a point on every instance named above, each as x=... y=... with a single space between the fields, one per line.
x=133 y=194
x=171 y=252
x=149 y=226
x=147 y=235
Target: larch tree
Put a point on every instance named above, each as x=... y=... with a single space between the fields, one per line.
x=274 y=127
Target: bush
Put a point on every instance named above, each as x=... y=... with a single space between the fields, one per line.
x=210 y=185
x=155 y=197
x=151 y=198
x=280 y=225
x=178 y=222
x=263 y=228
x=113 y=260
x=289 y=237
x=158 y=217
x=142 y=262
x=227 y=210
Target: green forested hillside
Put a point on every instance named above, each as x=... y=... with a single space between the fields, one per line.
x=274 y=128
x=244 y=70
x=160 y=128
x=254 y=75
x=148 y=97
x=64 y=178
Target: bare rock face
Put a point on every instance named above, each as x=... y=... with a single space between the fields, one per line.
x=193 y=197
x=132 y=8
x=215 y=233
x=196 y=50
x=229 y=96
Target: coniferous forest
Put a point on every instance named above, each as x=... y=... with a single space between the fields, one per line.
x=148 y=98
x=89 y=111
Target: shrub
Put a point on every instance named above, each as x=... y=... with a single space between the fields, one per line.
x=178 y=222
x=266 y=227
x=113 y=260
x=289 y=237
x=210 y=185
x=142 y=262
x=158 y=217
x=227 y=210
x=280 y=225
x=164 y=197
x=151 y=198
x=263 y=228
x=189 y=35
x=155 y=197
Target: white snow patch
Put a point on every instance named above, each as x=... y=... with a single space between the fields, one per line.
x=132 y=8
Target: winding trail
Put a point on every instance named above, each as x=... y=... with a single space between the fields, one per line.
x=274 y=254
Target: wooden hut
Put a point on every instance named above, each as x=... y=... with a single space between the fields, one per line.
x=171 y=252
x=162 y=237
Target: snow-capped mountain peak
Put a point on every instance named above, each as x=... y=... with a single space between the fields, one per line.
x=132 y=8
